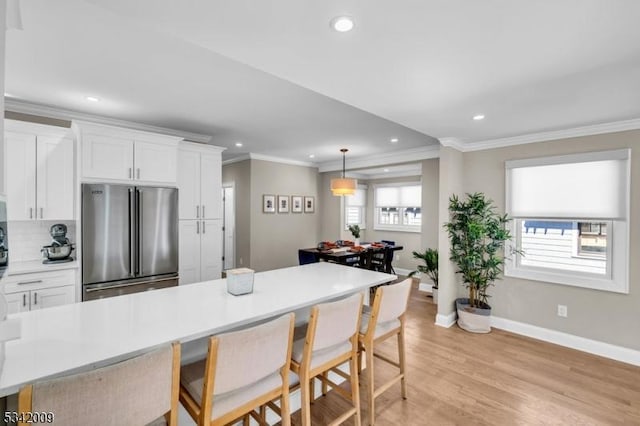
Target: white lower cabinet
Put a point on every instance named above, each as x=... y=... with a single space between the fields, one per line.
x=27 y=292
x=200 y=245
x=40 y=299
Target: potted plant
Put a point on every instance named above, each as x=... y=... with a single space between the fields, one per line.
x=355 y=231
x=430 y=269
x=477 y=235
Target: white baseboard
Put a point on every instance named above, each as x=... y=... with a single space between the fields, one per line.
x=402 y=271
x=446 y=321
x=607 y=350
x=425 y=287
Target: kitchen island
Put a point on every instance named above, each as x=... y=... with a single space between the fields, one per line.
x=83 y=336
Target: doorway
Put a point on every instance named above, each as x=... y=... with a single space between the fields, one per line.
x=228 y=226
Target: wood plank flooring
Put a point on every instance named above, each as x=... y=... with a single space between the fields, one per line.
x=459 y=378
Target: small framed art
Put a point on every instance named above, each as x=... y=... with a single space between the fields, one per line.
x=309 y=204
x=283 y=204
x=268 y=203
x=296 y=203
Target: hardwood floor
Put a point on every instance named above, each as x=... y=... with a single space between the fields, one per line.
x=455 y=377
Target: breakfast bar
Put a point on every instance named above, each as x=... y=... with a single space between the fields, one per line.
x=83 y=336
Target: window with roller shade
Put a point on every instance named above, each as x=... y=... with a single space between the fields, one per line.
x=398 y=207
x=355 y=208
x=571 y=219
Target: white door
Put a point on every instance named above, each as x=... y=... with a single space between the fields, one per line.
x=107 y=157
x=211 y=182
x=55 y=165
x=189 y=184
x=156 y=162
x=189 y=251
x=50 y=297
x=229 y=226
x=20 y=166
x=211 y=250
x=17 y=302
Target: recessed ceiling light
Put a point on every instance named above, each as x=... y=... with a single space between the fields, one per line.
x=342 y=24
x=312 y=156
x=385 y=170
x=394 y=140
x=478 y=117
x=238 y=144
x=92 y=99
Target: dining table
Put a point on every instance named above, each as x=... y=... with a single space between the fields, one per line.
x=83 y=336
x=347 y=256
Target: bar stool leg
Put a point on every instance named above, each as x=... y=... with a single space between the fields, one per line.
x=355 y=388
x=401 y=355
x=370 y=384
x=305 y=401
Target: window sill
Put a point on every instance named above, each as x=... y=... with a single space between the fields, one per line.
x=393 y=228
x=574 y=279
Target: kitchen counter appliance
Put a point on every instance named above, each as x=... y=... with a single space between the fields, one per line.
x=59 y=251
x=129 y=239
x=4 y=236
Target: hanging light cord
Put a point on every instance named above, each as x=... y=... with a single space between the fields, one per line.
x=344 y=153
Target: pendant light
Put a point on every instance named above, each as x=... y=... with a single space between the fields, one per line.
x=343 y=186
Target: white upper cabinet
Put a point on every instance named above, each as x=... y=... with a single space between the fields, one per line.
x=39 y=161
x=107 y=157
x=200 y=181
x=118 y=154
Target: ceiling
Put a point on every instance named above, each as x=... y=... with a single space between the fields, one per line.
x=274 y=76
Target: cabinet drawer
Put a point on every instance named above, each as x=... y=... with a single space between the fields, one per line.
x=39 y=280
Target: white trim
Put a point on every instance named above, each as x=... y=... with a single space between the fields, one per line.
x=23 y=107
x=447 y=320
x=596 y=129
x=582 y=157
x=402 y=271
x=199 y=147
x=607 y=350
x=17 y=126
x=427 y=288
x=270 y=158
x=406 y=156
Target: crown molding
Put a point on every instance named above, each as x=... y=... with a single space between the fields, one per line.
x=270 y=158
x=18 y=126
x=596 y=129
x=24 y=107
x=405 y=156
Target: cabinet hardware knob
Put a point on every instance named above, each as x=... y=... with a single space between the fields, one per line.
x=35 y=298
x=203 y=228
x=41 y=213
x=29 y=282
x=30 y=212
x=130 y=173
x=197 y=212
x=197 y=227
x=138 y=173
x=24 y=299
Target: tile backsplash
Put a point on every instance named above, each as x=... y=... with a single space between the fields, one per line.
x=28 y=237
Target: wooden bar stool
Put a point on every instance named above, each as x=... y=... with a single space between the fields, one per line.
x=385 y=319
x=244 y=370
x=136 y=392
x=331 y=340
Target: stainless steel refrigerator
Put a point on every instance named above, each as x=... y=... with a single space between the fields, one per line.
x=129 y=239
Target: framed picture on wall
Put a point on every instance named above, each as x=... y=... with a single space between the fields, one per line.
x=296 y=203
x=283 y=204
x=309 y=204
x=268 y=203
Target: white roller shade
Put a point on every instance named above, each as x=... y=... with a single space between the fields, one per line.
x=387 y=196
x=359 y=199
x=594 y=185
x=410 y=196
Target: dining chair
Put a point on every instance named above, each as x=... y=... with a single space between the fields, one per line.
x=137 y=392
x=330 y=340
x=305 y=257
x=385 y=319
x=243 y=371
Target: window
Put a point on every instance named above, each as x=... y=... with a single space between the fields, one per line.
x=355 y=208
x=398 y=207
x=570 y=219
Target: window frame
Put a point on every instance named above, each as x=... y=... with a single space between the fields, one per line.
x=617 y=254
x=395 y=227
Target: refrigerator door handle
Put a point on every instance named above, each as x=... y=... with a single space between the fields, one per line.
x=139 y=226
x=132 y=242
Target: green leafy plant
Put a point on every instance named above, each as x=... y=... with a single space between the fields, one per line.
x=477 y=235
x=430 y=267
x=355 y=231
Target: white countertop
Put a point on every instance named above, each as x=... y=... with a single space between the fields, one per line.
x=81 y=336
x=31 y=266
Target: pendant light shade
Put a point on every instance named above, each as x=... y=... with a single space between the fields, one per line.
x=343 y=185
